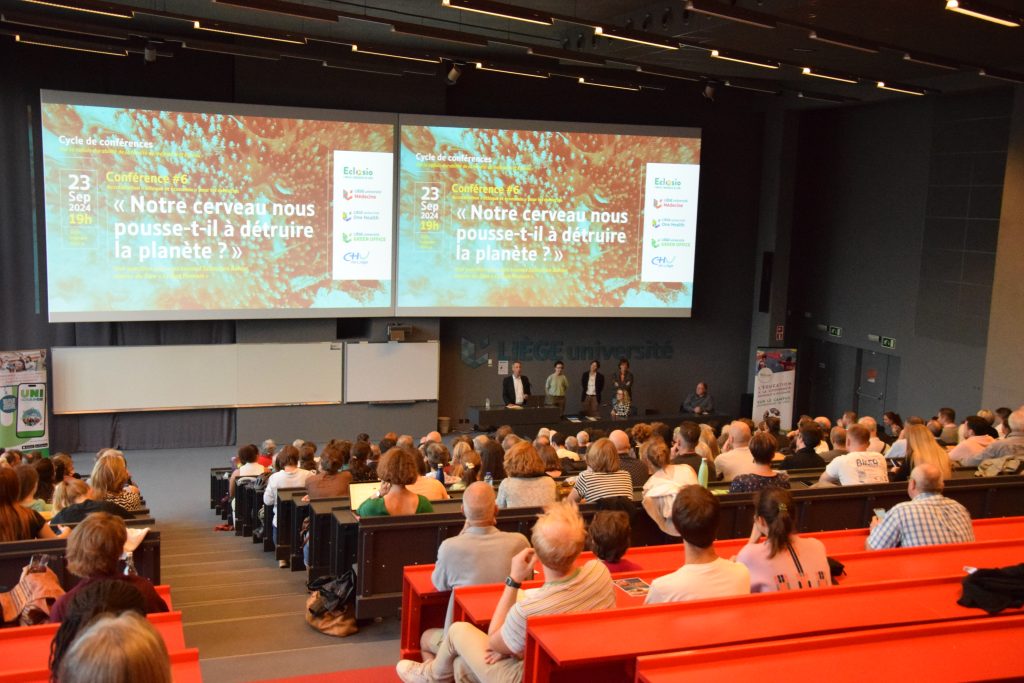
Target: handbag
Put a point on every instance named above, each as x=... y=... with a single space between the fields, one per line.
x=330 y=605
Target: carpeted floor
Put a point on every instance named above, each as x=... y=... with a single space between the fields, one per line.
x=243 y=613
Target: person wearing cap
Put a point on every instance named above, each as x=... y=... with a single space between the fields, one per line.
x=627 y=461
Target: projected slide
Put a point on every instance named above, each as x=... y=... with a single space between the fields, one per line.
x=503 y=221
x=176 y=210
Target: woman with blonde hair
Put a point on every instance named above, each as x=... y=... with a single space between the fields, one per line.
x=922 y=448
x=109 y=480
x=73 y=501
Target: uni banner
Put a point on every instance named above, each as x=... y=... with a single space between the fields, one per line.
x=774 y=385
x=23 y=423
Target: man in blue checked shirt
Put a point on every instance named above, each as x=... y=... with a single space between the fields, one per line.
x=928 y=518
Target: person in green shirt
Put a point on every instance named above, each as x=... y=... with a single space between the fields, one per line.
x=397 y=469
x=556 y=386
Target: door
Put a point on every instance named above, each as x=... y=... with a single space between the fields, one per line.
x=871 y=384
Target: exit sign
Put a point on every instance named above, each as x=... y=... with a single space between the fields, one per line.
x=888 y=343
x=835 y=331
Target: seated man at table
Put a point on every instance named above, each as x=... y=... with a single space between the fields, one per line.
x=467 y=653
x=928 y=518
x=704 y=574
x=479 y=554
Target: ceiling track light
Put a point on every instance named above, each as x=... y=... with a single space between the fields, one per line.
x=565 y=55
x=245 y=32
x=978 y=10
x=717 y=54
x=290 y=9
x=394 y=55
x=512 y=72
x=632 y=88
x=1001 y=75
x=808 y=71
x=666 y=74
x=849 y=42
x=501 y=10
x=737 y=14
x=101 y=8
x=937 y=62
x=635 y=37
x=76 y=47
x=820 y=98
x=899 y=88
x=737 y=86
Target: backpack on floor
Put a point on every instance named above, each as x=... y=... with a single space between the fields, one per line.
x=330 y=607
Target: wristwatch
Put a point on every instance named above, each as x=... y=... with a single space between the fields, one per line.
x=512 y=583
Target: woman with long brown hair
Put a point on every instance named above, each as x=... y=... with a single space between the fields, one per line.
x=18 y=523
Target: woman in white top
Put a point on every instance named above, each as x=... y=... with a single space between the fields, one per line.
x=289 y=476
x=664 y=483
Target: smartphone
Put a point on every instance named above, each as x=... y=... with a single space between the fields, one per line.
x=880 y=513
x=31 y=422
x=38 y=563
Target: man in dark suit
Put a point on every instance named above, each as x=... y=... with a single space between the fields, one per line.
x=515 y=388
x=592 y=383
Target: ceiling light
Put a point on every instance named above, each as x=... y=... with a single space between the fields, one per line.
x=666 y=74
x=438 y=34
x=730 y=84
x=635 y=37
x=564 y=55
x=497 y=9
x=840 y=40
x=903 y=89
x=820 y=98
x=394 y=55
x=930 y=61
x=452 y=77
x=807 y=71
x=583 y=81
x=738 y=14
x=527 y=74
x=102 y=8
x=981 y=11
x=1001 y=75
x=67 y=46
x=764 y=65
x=246 y=33
x=291 y=9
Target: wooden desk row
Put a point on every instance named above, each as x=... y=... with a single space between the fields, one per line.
x=16 y=554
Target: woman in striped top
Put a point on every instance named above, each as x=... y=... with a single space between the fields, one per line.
x=602 y=479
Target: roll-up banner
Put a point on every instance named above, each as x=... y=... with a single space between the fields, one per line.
x=774 y=385
x=23 y=414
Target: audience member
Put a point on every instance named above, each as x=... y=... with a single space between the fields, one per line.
x=627 y=461
x=838 y=439
x=63 y=468
x=552 y=463
x=921 y=448
x=875 y=445
x=1012 y=443
x=928 y=518
x=582 y=442
x=115 y=650
x=359 y=458
x=565 y=446
x=266 y=456
x=773 y=425
x=469 y=471
x=28 y=483
x=603 y=482
x=805 y=456
x=111 y=481
x=460 y=449
x=704 y=574
x=608 y=537
x=307 y=456
x=108 y=596
x=664 y=483
x=467 y=653
x=825 y=425
x=708 y=447
x=893 y=424
x=968 y=453
x=685 y=439
x=248 y=467
x=492 y=459
x=525 y=483
x=73 y=502
x=94 y=554
x=849 y=418
x=289 y=476
x=398 y=469
x=427 y=484
x=785 y=561
x=481 y=553
x=858 y=466
x=761 y=476
x=950 y=434
x=1002 y=424
x=739 y=459
x=45 y=471
x=330 y=481
x=18 y=523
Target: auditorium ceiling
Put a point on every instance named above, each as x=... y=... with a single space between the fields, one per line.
x=831 y=51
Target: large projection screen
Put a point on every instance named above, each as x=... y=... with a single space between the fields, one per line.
x=392 y=371
x=514 y=218
x=107 y=379
x=171 y=210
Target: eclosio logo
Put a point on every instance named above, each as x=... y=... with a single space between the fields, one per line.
x=347 y=195
x=357 y=257
x=663 y=261
x=354 y=172
x=667 y=183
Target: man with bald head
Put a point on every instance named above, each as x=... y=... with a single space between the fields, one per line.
x=479 y=554
x=739 y=460
x=928 y=518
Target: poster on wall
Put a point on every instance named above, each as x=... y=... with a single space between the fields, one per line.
x=23 y=415
x=774 y=385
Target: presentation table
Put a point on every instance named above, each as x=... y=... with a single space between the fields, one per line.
x=486 y=419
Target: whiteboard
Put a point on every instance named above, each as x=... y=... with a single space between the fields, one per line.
x=101 y=379
x=392 y=371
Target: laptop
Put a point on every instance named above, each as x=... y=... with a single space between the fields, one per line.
x=534 y=402
x=358 y=493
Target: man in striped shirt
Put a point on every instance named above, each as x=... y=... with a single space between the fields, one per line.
x=928 y=518
x=467 y=653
